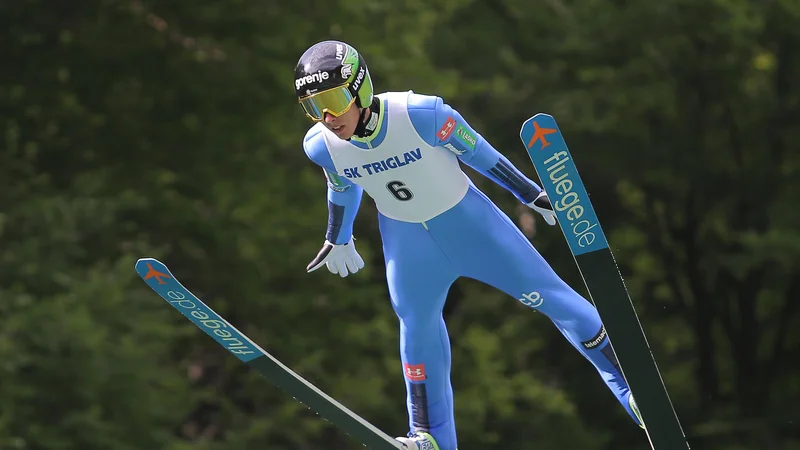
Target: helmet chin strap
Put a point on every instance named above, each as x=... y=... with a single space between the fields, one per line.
x=366 y=127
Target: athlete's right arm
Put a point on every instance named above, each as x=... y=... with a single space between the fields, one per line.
x=344 y=197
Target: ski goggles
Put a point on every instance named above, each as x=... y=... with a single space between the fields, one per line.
x=335 y=101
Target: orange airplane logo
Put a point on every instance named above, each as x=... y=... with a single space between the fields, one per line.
x=539 y=134
x=154 y=273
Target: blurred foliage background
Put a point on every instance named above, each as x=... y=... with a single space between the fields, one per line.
x=133 y=128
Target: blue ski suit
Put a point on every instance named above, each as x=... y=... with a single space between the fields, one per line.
x=472 y=238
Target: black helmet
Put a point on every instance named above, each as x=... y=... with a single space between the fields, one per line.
x=328 y=65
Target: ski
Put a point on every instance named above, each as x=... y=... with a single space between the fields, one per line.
x=164 y=283
x=579 y=223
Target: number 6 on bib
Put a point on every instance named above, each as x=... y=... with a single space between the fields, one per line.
x=399 y=190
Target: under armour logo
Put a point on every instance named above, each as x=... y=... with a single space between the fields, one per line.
x=447 y=129
x=414 y=372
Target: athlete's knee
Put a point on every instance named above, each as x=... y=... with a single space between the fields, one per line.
x=418 y=324
x=566 y=307
x=416 y=309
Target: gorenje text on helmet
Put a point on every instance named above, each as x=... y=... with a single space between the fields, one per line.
x=318 y=77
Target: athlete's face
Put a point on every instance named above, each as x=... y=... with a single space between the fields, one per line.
x=345 y=125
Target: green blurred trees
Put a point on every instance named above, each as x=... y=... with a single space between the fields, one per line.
x=134 y=128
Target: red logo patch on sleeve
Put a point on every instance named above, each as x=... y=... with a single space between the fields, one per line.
x=415 y=372
x=447 y=129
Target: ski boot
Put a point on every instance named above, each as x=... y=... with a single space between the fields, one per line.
x=418 y=440
x=635 y=410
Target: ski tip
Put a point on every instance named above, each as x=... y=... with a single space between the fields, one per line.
x=146 y=260
x=535 y=131
x=541 y=114
x=539 y=118
x=151 y=268
x=144 y=265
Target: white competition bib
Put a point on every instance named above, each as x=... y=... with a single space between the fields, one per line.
x=408 y=179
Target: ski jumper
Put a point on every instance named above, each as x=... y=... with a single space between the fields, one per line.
x=437 y=226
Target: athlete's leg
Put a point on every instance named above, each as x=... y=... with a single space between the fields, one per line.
x=419 y=276
x=494 y=251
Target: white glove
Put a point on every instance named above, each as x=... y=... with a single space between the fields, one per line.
x=542 y=206
x=341 y=259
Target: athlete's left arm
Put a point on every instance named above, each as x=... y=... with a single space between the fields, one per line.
x=441 y=125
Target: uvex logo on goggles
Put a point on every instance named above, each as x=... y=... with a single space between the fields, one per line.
x=318 y=77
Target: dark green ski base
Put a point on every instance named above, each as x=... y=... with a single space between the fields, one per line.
x=161 y=280
x=576 y=217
